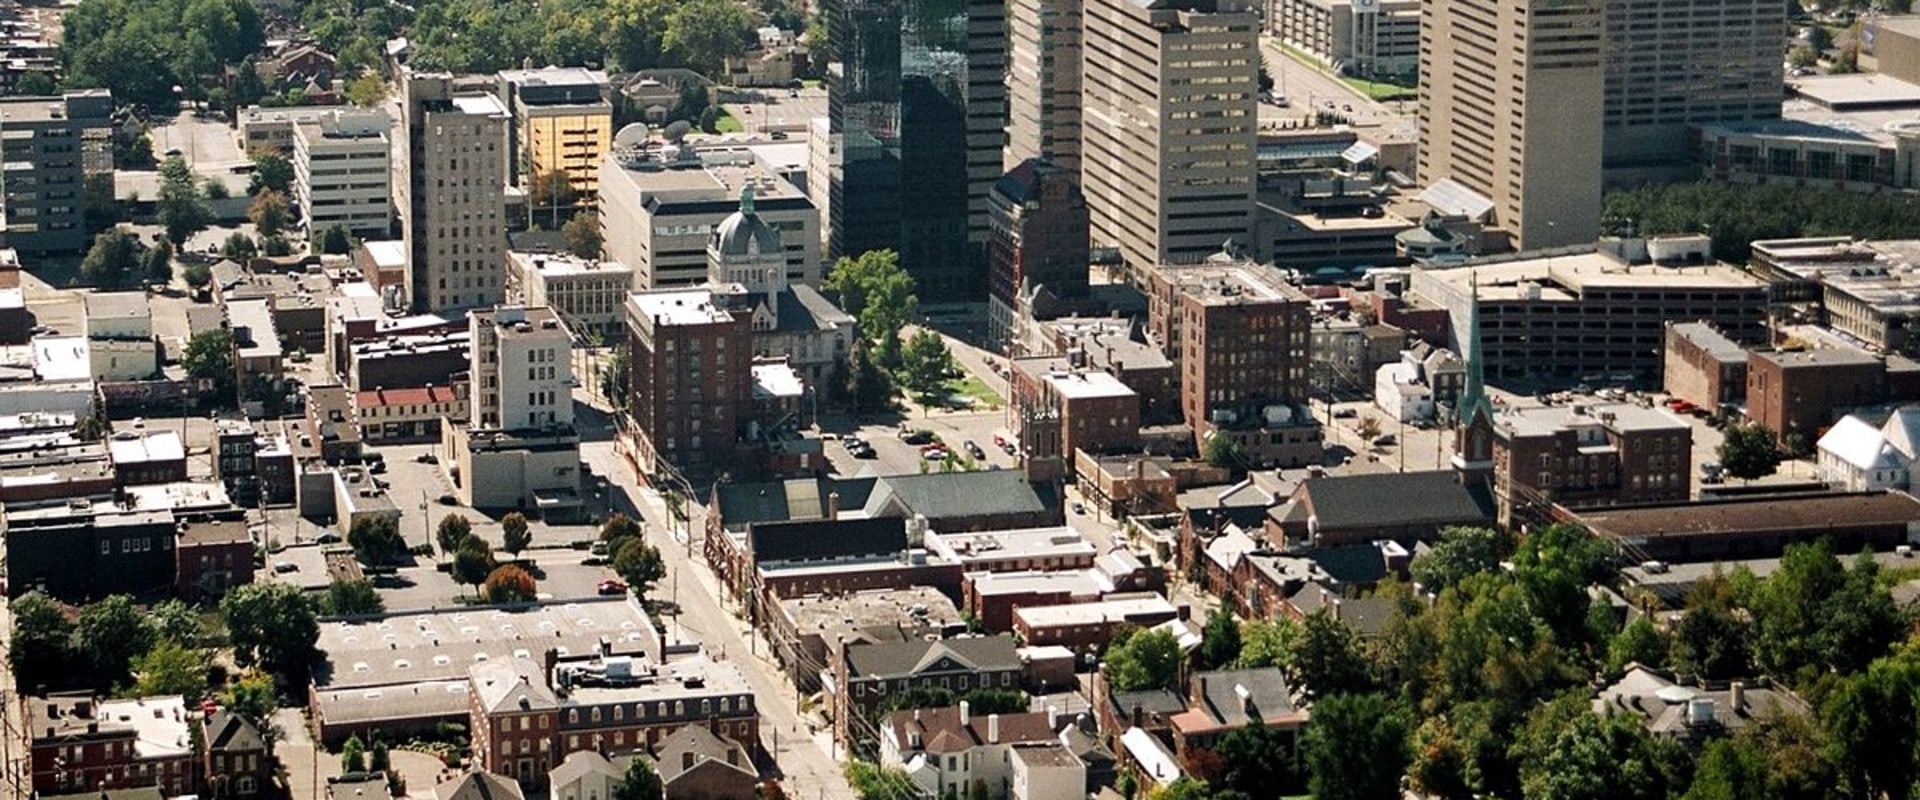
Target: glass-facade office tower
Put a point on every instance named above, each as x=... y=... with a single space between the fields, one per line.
x=899 y=99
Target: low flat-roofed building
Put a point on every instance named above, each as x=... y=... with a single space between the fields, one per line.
x=1755 y=527
x=212 y=557
x=587 y=294
x=1704 y=367
x=1086 y=626
x=807 y=627
x=118 y=315
x=153 y=457
x=1617 y=453
x=402 y=361
x=407 y=670
x=62 y=359
x=78 y=742
x=390 y=416
x=1541 y=312
x=1049 y=548
x=1866 y=290
x=330 y=427
x=1797 y=394
x=257 y=353
x=991 y=597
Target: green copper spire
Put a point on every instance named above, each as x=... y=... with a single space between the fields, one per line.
x=746 y=200
x=1473 y=397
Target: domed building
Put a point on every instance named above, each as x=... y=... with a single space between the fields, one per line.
x=747 y=273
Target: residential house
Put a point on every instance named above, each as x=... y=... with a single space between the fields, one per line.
x=478 y=785
x=1694 y=713
x=78 y=742
x=951 y=749
x=866 y=675
x=1222 y=701
x=236 y=760
x=697 y=764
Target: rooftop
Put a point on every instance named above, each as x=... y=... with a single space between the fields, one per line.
x=1115 y=608
x=941 y=731
x=479 y=105
x=1617 y=417
x=1233 y=698
x=888 y=660
x=1232 y=283
x=1025 y=543
x=1083 y=384
x=253 y=329
x=1811 y=513
x=440 y=644
x=918 y=607
x=62 y=358
x=1671 y=708
x=1715 y=343
x=132 y=448
x=678 y=307
x=118 y=305
x=1421 y=498
x=387 y=253
x=1078 y=583
x=1844 y=92
x=1566 y=276
x=560 y=265
x=1818 y=357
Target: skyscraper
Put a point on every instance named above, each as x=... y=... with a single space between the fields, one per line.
x=1169 y=126
x=1510 y=107
x=917 y=103
x=452 y=196
x=1672 y=64
x=1043 y=83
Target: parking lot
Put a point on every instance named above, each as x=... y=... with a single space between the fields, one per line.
x=894 y=456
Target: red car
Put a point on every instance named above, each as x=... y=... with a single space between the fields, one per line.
x=610 y=587
x=999 y=441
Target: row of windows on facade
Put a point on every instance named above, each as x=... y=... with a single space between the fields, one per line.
x=879 y=687
x=141 y=544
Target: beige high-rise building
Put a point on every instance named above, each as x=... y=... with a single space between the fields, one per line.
x=1169 y=126
x=1675 y=64
x=1510 y=108
x=1043 y=83
x=452 y=193
x=563 y=123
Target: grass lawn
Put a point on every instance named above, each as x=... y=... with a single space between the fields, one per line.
x=727 y=124
x=1380 y=91
x=970 y=386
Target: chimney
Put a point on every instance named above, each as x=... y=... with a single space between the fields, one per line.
x=1136 y=716
x=1246 y=698
x=1053 y=718
x=1737 y=696
x=966 y=714
x=833 y=505
x=686 y=760
x=993 y=729
x=733 y=756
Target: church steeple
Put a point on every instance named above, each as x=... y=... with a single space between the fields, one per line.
x=1473 y=419
x=1473 y=396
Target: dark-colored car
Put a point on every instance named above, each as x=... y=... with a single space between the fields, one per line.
x=974 y=449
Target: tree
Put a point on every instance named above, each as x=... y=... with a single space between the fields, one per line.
x=269 y=212
x=925 y=364
x=553 y=191
x=35 y=84
x=214 y=189
x=691 y=101
x=1219 y=641
x=335 y=240
x=197 y=275
x=367 y=90
x=1461 y=551
x=1356 y=748
x=1739 y=214
x=1555 y=566
x=112 y=261
x=702 y=34
x=873 y=782
x=640 y=782
x=1803 y=57
x=1729 y=769
x=710 y=119
x=353 y=755
x=41 y=649
x=867 y=388
x=110 y=634
x=513 y=529
x=181 y=207
x=1637 y=643
x=1224 y=451
x=1819 y=38
x=275 y=246
x=1750 y=450
x=582 y=232
x=352 y=598
x=379 y=760
x=1328 y=658
x=209 y=358
x=1268 y=644
x=1257 y=760
x=639 y=564
x=472 y=562
x=156 y=264
x=271 y=171
x=252 y=697
x=453 y=530
x=239 y=247
x=170 y=668
x=617 y=527
x=271 y=624
x=376 y=540
x=876 y=291
x=1594 y=757
x=1711 y=639
x=1814 y=616
x=1146 y=660
x=509 y=583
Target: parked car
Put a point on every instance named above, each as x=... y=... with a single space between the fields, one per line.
x=999 y=441
x=327 y=538
x=284 y=567
x=865 y=451
x=1384 y=439
x=610 y=587
x=1011 y=448
x=916 y=436
x=974 y=449
x=934 y=454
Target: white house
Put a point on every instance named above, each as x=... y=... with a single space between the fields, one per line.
x=1400 y=391
x=1858 y=457
x=942 y=748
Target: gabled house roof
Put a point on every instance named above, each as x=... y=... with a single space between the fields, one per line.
x=817 y=539
x=906 y=659
x=692 y=747
x=479 y=786
x=1435 y=498
x=939 y=730
x=227 y=731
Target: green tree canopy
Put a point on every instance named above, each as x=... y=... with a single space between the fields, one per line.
x=269 y=212
x=639 y=564
x=376 y=540
x=112 y=632
x=142 y=49
x=352 y=598
x=1219 y=641
x=582 y=232
x=1328 y=658
x=41 y=649
x=1224 y=451
x=1356 y=748
x=514 y=532
x=639 y=782
x=925 y=363
x=181 y=207
x=1737 y=215
x=1146 y=660
x=272 y=172
x=876 y=291
x=1750 y=450
x=453 y=530
x=704 y=33
x=271 y=624
x=472 y=561
x=156 y=264
x=1268 y=644
x=113 y=261
x=170 y=668
x=1461 y=551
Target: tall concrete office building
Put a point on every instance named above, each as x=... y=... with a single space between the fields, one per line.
x=916 y=105
x=1674 y=64
x=452 y=193
x=1169 y=126
x=1510 y=108
x=1043 y=83
x=52 y=145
